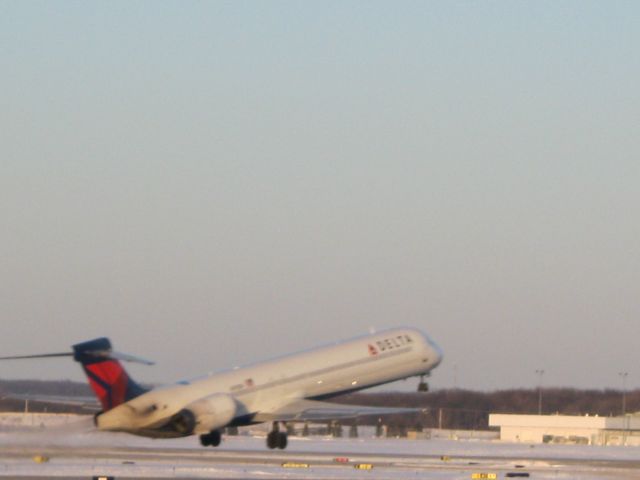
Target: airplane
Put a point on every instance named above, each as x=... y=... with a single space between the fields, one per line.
x=291 y=388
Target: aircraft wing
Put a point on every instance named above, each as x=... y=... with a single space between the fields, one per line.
x=312 y=410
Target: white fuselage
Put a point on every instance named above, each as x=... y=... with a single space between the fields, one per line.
x=265 y=387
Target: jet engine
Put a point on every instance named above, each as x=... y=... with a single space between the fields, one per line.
x=205 y=415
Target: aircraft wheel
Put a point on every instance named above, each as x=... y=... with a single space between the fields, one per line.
x=282 y=440
x=212 y=439
x=423 y=386
x=272 y=439
x=204 y=440
x=216 y=438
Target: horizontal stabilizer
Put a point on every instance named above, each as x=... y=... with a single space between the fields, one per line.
x=97 y=354
x=311 y=410
x=130 y=358
x=42 y=355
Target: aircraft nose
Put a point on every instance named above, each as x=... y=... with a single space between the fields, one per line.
x=438 y=354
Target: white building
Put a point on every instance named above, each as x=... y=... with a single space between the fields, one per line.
x=568 y=429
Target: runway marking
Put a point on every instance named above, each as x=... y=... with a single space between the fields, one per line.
x=295 y=465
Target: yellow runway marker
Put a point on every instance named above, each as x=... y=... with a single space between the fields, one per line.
x=295 y=465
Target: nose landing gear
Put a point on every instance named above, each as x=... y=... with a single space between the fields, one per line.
x=423 y=386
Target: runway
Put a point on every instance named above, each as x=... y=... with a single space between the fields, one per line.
x=192 y=463
x=82 y=455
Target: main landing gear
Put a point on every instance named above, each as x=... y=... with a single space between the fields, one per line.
x=212 y=439
x=276 y=438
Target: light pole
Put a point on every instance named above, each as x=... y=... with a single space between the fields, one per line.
x=624 y=375
x=540 y=373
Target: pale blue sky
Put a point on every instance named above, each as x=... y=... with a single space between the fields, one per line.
x=213 y=183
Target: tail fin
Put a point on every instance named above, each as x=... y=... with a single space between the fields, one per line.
x=107 y=377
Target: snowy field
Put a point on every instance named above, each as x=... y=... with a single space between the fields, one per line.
x=73 y=449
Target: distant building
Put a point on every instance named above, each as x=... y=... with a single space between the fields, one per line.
x=568 y=429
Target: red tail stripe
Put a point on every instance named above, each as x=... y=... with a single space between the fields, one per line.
x=111 y=373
